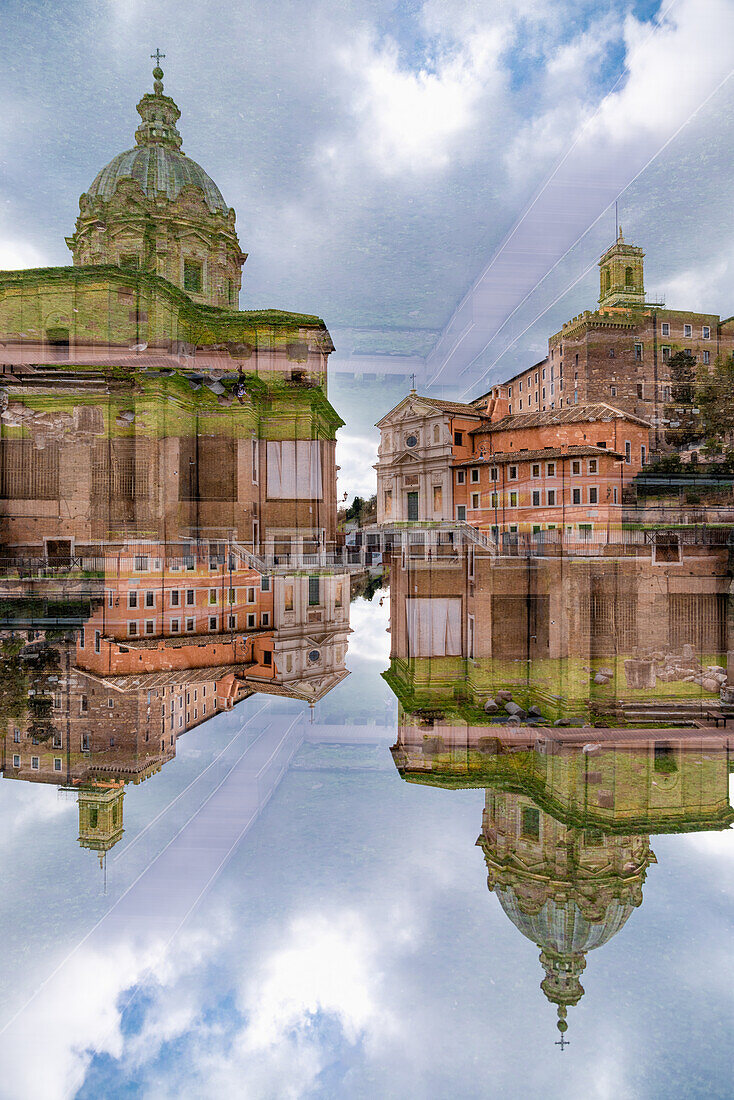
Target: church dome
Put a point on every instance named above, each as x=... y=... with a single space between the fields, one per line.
x=561 y=926
x=152 y=209
x=158 y=169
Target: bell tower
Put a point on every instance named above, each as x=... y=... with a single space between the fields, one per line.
x=100 y=816
x=621 y=275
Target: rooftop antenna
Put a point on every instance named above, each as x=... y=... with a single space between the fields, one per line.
x=616 y=219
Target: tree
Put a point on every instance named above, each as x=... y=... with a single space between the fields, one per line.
x=685 y=426
x=355 y=509
x=715 y=399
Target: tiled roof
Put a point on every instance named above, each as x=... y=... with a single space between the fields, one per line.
x=500 y=458
x=458 y=407
x=575 y=414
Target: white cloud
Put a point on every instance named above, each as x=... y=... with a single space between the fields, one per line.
x=370 y=640
x=17 y=253
x=355 y=456
x=411 y=119
x=671 y=69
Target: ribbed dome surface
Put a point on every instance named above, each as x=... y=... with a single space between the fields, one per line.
x=157 y=168
x=562 y=927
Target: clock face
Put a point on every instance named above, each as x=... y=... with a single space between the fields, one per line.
x=412 y=441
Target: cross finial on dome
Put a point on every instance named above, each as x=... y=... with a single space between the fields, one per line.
x=157 y=71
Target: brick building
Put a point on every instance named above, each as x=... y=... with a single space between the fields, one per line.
x=619 y=352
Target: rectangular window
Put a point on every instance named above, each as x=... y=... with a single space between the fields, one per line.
x=551 y=497
x=576 y=496
x=268 y=658
x=638 y=352
x=627 y=451
x=614 y=391
x=81 y=638
x=34 y=763
x=550 y=469
x=314 y=591
x=688 y=330
x=459 y=439
x=175 y=626
x=460 y=477
x=593 y=465
x=251 y=595
x=57 y=763
x=536 y=498
x=212 y=622
x=706 y=332
x=250 y=621
x=643 y=454
x=189 y=626
x=265 y=584
x=513 y=500
x=576 y=466
x=475 y=475
x=639 y=389
x=174 y=597
x=412 y=506
x=149 y=626
x=665 y=328
x=150 y=599
x=512 y=474
x=530 y=822
x=593 y=495
x=132 y=599
x=494 y=473
x=212 y=597
x=461 y=513
x=665 y=353
x=16 y=760
x=255 y=463
x=475 y=500
x=706 y=358
x=190 y=597
x=232 y=622
x=192 y=276
x=132 y=630
x=437 y=498
x=265 y=618
x=536 y=469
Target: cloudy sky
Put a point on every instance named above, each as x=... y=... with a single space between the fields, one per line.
x=385 y=158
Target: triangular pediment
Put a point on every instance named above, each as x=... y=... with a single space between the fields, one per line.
x=407 y=458
x=410 y=408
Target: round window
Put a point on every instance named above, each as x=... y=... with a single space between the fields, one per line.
x=412 y=440
x=314 y=656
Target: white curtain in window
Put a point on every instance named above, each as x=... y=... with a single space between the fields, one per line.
x=294 y=469
x=434 y=627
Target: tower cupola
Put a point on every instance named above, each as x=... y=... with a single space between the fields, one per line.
x=621 y=275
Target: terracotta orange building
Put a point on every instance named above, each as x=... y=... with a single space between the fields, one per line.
x=445 y=461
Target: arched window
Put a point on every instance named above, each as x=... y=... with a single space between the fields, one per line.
x=58 y=342
x=607 y=279
x=628 y=277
